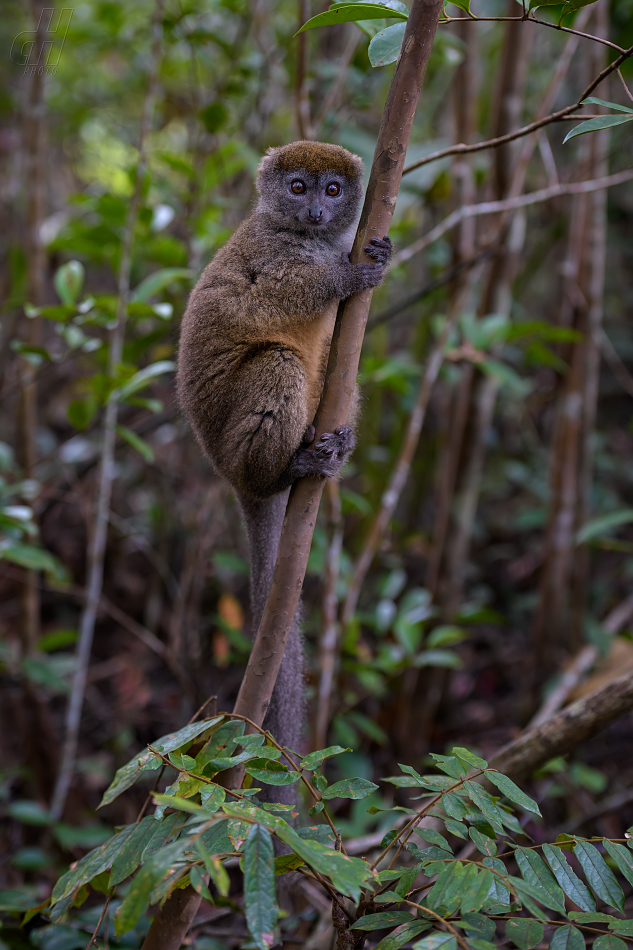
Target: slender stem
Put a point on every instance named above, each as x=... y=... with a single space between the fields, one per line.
x=399 y=474
x=509 y=204
x=100 y=531
x=462 y=149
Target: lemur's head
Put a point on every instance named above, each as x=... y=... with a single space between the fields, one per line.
x=310 y=186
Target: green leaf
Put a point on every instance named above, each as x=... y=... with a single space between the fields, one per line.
x=260 y=897
x=477 y=886
x=483 y=843
x=384 y=47
x=350 y=12
x=212 y=797
x=143 y=883
x=214 y=116
x=609 y=942
x=593 y=100
x=271 y=772
x=130 y=773
x=454 y=806
x=594 y=125
x=286 y=863
x=436 y=940
x=536 y=873
x=347 y=874
x=449 y=764
x=468 y=759
x=136 y=442
x=580 y=917
x=145 y=376
x=131 y=854
x=623 y=927
x=513 y=792
x=402 y=934
x=197 y=881
x=600 y=877
x=605 y=523
x=315 y=759
x=498 y=891
x=29 y=813
x=355 y=788
x=568 y=880
x=476 y=925
x=524 y=933
x=92 y=864
x=567 y=938
x=158 y=281
x=381 y=921
x=484 y=802
x=214 y=867
x=68 y=282
x=457 y=828
x=622 y=857
x=433 y=837
x=36 y=559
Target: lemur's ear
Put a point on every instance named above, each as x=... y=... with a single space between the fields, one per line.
x=266 y=165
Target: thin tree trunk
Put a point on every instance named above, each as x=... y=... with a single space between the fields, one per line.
x=100 y=530
x=35 y=149
x=340 y=381
x=302 y=99
x=564 y=575
x=496 y=298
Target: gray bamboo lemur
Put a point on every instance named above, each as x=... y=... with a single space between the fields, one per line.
x=253 y=351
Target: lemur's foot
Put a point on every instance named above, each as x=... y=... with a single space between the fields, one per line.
x=380 y=250
x=308 y=436
x=325 y=459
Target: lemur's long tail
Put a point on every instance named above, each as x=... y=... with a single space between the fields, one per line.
x=286 y=715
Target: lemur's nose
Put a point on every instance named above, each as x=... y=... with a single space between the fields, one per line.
x=315 y=214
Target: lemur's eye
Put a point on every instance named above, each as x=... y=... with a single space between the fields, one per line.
x=333 y=189
x=297 y=187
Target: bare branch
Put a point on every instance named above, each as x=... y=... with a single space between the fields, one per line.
x=462 y=149
x=508 y=204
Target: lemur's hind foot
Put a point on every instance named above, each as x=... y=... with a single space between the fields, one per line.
x=325 y=459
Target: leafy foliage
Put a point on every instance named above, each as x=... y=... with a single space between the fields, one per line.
x=407 y=891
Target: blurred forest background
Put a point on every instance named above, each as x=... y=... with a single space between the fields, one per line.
x=441 y=611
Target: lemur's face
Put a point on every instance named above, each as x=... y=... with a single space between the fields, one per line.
x=305 y=201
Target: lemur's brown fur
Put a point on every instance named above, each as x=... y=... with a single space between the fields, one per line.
x=253 y=350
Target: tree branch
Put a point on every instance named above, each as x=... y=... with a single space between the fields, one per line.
x=563 y=732
x=462 y=149
x=508 y=204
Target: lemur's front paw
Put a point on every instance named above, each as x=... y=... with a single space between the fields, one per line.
x=380 y=250
x=372 y=274
x=336 y=446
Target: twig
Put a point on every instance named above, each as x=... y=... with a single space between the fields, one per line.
x=93 y=939
x=302 y=100
x=98 y=545
x=626 y=88
x=509 y=204
x=617 y=367
x=330 y=100
x=462 y=149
